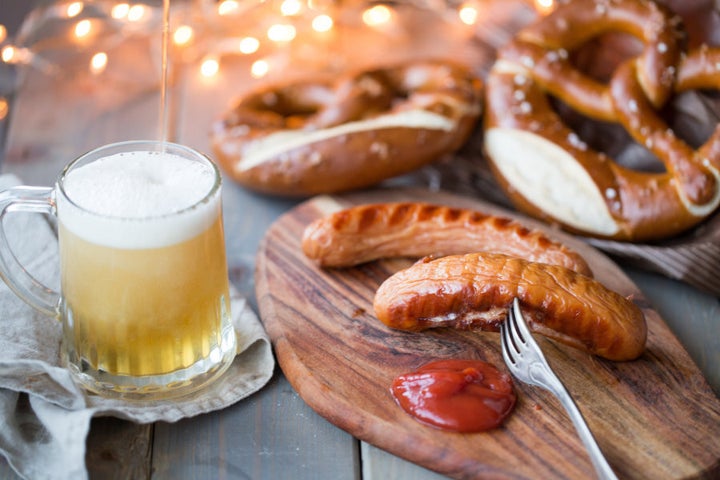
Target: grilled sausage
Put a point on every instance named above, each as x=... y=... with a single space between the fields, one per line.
x=474 y=291
x=367 y=232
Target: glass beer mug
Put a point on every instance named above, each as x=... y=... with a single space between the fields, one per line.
x=144 y=300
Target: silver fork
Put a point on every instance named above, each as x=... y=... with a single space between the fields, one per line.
x=526 y=362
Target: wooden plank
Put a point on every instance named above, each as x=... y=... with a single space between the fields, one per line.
x=118 y=449
x=653 y=417
x=691 y=315
x=6 y=472
x=377 y=464
x=267 y=436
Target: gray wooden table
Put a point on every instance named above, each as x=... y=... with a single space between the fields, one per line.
x=272 y=434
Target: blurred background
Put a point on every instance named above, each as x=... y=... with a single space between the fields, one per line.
x=101 y=53
x=12 y=13
x=99 y=56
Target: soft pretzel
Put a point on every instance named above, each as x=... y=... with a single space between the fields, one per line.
x=414 y=229
x=549 y=172
x=313 y=137
x=473 y=291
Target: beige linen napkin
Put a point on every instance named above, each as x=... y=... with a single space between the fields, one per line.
x=45 y=415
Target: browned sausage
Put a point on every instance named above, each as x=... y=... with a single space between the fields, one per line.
x=473 y=291
x=368 y=232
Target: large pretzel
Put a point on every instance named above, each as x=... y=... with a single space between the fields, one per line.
x=314 y=137
x=549 y=172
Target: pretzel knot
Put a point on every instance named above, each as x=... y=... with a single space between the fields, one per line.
x=314 y=136
x=549 y=172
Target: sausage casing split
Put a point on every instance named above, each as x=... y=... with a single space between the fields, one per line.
x=473 y=291
x=411 y=229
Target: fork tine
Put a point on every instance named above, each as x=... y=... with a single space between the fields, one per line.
x=518 y=322
x=505 y=343
x=514 y=336
x=520 y=328
x=510 y=349
x=512 y=324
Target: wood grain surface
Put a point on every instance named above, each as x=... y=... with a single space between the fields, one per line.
x=655 y=417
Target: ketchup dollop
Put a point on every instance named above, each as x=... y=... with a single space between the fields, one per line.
x=457 y=395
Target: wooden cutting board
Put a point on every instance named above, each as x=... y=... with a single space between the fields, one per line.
x=655 y=417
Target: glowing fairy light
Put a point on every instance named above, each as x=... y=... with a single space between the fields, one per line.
x=120 y=11
x=8 y=54
x=259 y=68
x=468 y=14
x=249 y=45
x=377 y=15
x=15 y=55
x=3 y=33
x=322 y=23
x=290 y=7
x=209 y=67
x=281 y=32
x=544 y=6
x=227 y=6
x=74 y=9
x=183 y=35
x=82 y=28
x=4 y=108
x=136 y=13
x=98 y=62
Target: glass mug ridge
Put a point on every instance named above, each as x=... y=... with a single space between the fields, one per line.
x=144 y=302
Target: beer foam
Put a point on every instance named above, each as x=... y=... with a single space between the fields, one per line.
x=139 y=199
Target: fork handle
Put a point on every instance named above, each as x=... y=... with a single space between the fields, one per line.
x=602 y=468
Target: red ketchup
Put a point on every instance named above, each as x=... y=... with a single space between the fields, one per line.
x=458 y=395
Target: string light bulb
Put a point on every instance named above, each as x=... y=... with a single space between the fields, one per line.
x=259 y=68
x=15 y=55
x=82 y=28
x=377 y=15
x=98 y=62
x=183 y=35
x=3 y=33
x=136 y=13
x=248 y=45
x=7 y=54
x=209 y=67
x=322 y=23
x=281 y=32
x=120 y=11
x=74 y=9
x=468 y=13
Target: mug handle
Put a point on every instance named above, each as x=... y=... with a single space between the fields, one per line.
x=17 y=278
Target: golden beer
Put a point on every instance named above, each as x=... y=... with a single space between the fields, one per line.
x=145 y=311
x=144 y=297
